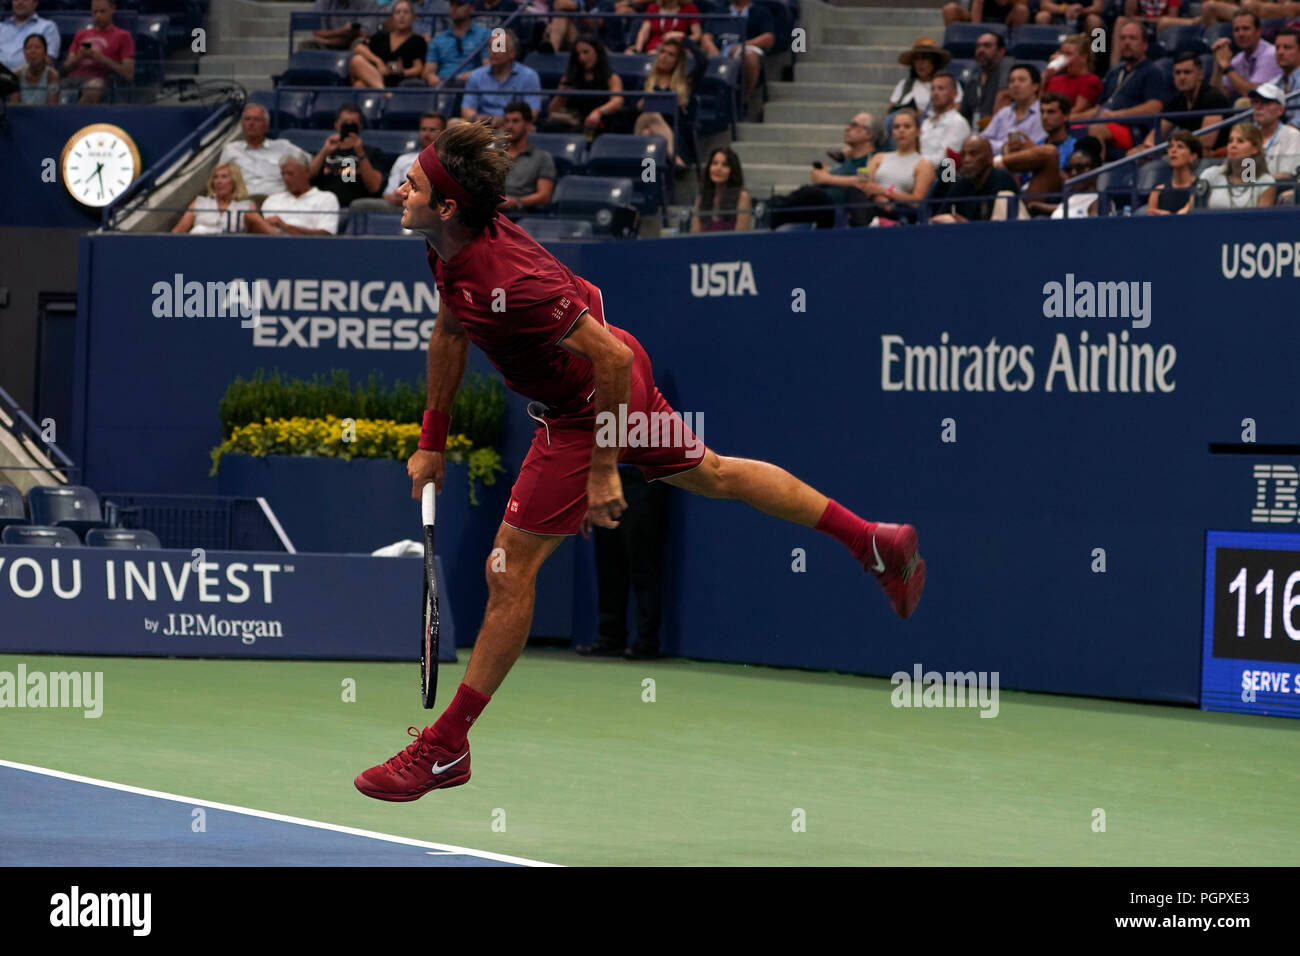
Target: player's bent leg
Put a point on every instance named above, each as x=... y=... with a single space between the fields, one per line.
x=888 y=551
x=438 y=757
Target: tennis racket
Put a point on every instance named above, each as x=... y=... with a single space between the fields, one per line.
x=429 y=637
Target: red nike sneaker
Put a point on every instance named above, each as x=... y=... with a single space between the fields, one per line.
x=423 y=766
x=892 y=558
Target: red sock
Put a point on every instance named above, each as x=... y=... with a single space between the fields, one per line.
x=453 y=726
x=846 y=528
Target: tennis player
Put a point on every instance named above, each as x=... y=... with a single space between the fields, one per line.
x=546 y=331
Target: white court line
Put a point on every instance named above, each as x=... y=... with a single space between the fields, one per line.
x=278 y=817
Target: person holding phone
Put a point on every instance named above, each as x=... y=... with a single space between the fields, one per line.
x=346 y=166
x=100 y=57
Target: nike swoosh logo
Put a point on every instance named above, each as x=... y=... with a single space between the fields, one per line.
x=437 y=768
x=880 y=565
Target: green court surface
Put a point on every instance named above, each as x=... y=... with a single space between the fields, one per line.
x=581 y=770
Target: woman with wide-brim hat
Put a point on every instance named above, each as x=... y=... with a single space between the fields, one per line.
x=923 y=60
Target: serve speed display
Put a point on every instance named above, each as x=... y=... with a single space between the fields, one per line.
x=1251 y=656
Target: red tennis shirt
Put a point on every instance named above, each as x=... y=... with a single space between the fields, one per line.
x=516 y=302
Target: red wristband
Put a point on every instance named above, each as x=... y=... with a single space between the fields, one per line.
x=433 y=433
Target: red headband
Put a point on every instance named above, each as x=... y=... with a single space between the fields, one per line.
x=441 y=179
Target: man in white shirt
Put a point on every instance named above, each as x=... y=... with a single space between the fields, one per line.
x=1281 y=142
x=431 y=124
x=302 y=209
x=15 y=31
x=257 y=157
x=944 y=129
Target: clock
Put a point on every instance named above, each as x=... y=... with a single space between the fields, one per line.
x=98 y=163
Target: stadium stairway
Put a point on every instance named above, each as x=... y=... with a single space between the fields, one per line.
x=248 y=41
x=851 y=65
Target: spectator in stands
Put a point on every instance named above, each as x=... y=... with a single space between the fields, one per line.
x=1134 y=87
x=594 y=111
x=1243 y=182
x=531 y=179
x=923 y=61
x=1084 y=199
x=653 y=32
x=722 y=37
x=669 y=75
x=1070 y=72
x=1286 y=50
x=986 y=92
x=895 y=182
x=1281 y=142
x=981 y=193
x=493 y=13
x=1191 y=92
x=257 y=157
x=301 y=209
x=562 y=32
x=38 y=82
x=1022 y=113
x=345 y=27
x=1037 y=167
x=723 y=204
x=14 y=33
x=1178 y=197
x=1078 y=16
x=835 y=187
x=100 y=56
x=943 y=129
x=225 y=207
x=431 y=124
x=491 y=88
x=1287 y=9
x=1054 y=110
x=1256 y=62
x=1157 y=13
x=392 y=55
x=1013 y=13
x=344 y=165
x=449 y=48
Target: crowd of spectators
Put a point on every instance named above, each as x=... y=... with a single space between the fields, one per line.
x=99 y=60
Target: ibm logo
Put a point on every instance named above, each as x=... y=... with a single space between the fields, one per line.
x=1282 y=509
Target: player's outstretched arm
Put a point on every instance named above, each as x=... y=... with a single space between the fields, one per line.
x=611 y=365
x=448 y=350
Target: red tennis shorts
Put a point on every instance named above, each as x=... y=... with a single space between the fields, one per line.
x=550 y=494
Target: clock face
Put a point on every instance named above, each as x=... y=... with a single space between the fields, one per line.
x=99 y=162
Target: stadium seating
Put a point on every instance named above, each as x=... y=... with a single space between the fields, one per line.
x=619 y=155
x=784 y=15
x=327 y=103
x=1118 y=185
x=288 y=109
x=567 y=149
x=1215 y=31
x=632 y=68
x=394 y=142
x=75 y=507
x=550 y=67
x=715 y=97
x=12 y=508
x=35 y=536
x=543 y=228
x=309 y=140
x=607 y=203
x=1034 y=41
x=1151 y=175
x=959 y=38
x=404 y=109
x=315 y=68
x=125 y=538
x=375 y=223
x=1178 y=39
x=795 y=227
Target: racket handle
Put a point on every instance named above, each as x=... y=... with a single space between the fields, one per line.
x=427 y=503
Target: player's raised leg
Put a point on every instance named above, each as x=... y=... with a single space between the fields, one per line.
x=886 y=550
x=438 y=757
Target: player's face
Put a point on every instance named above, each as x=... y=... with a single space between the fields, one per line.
x=416 y=194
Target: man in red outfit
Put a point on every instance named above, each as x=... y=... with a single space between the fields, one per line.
x=546 y=332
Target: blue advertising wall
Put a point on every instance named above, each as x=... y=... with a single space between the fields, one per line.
x=35 y=134
x=1024 y=477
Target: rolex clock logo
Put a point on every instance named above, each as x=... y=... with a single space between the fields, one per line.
x=99 y=162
